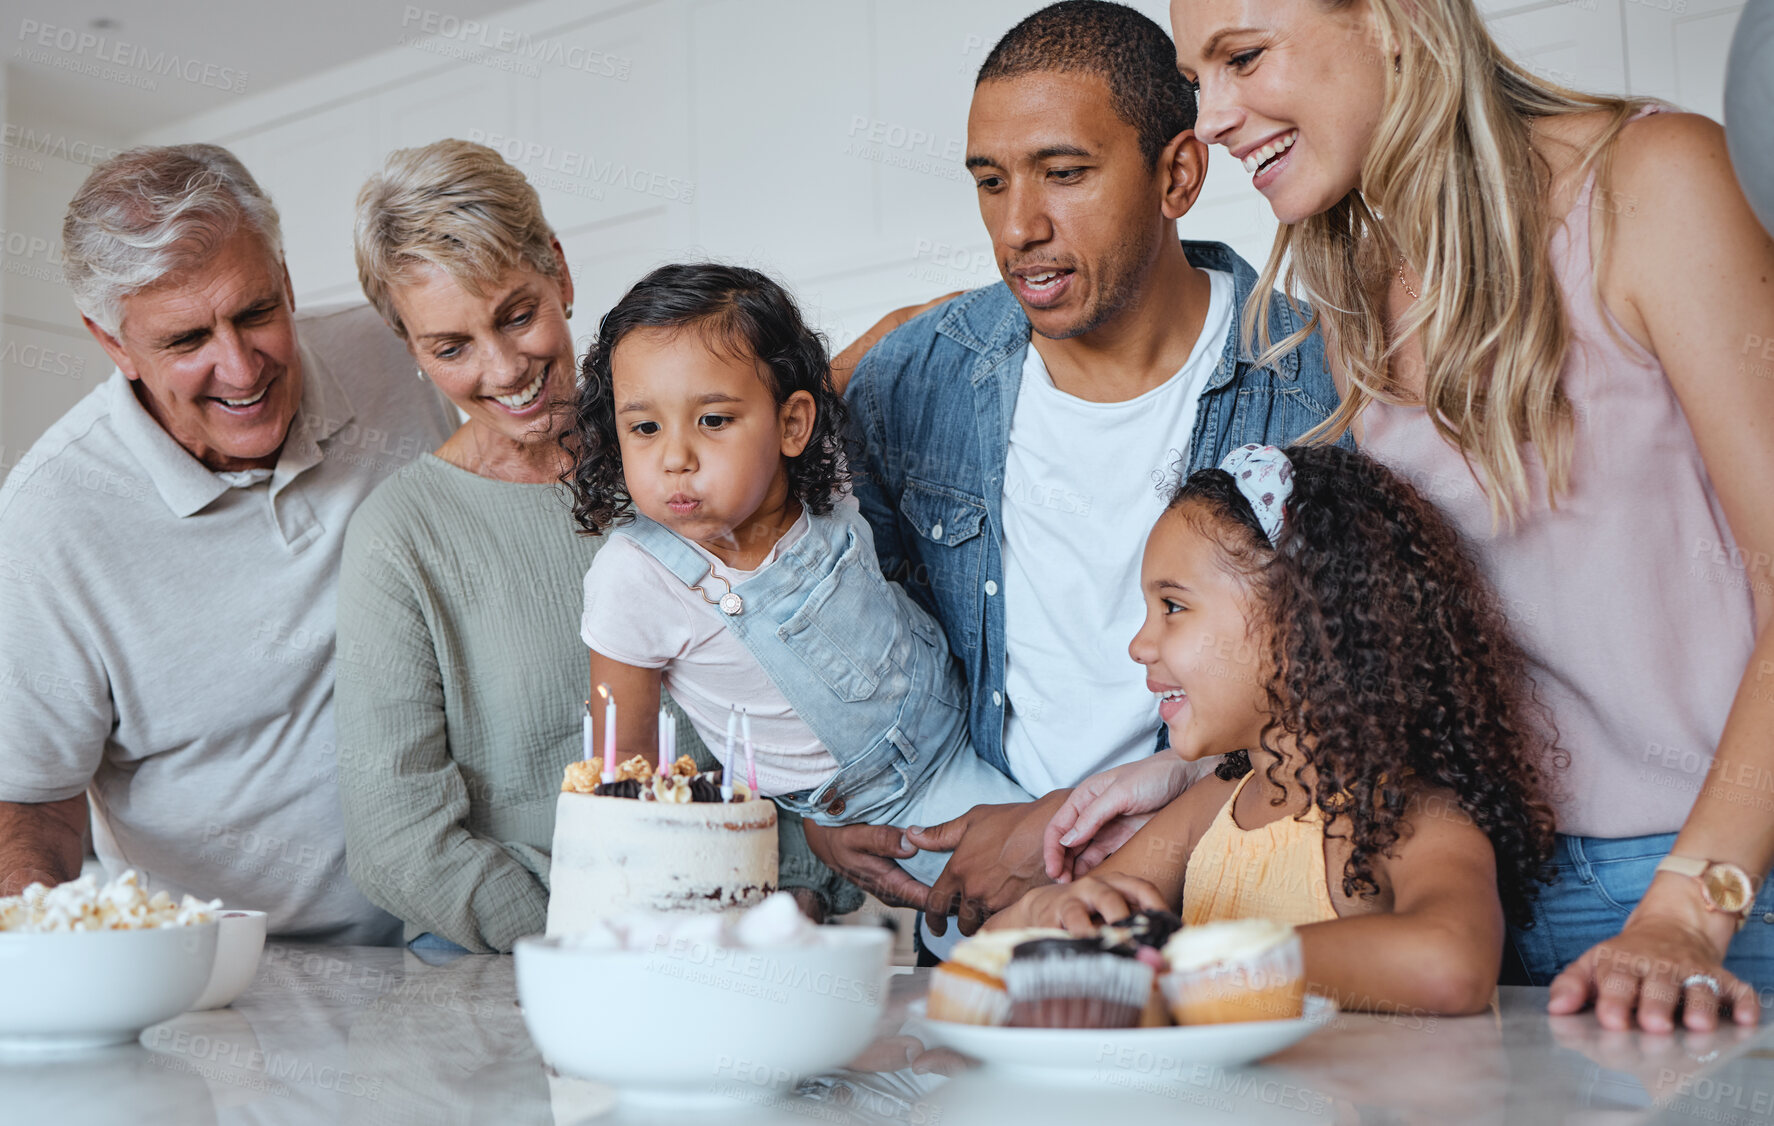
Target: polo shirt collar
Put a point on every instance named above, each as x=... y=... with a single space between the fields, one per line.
x=185 y=484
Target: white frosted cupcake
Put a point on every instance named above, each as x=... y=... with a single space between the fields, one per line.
x=969 y=987
x=1247 y=969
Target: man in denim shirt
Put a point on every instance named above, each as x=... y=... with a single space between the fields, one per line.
x=1010 y=487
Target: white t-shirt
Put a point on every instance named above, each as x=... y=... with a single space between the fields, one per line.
x=639 y=613
x=166 y=633
x=1083 y=484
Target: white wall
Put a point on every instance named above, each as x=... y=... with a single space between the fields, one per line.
x=739 y=129
x=47 y=360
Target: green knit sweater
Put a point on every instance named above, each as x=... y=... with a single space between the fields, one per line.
x=460 y=681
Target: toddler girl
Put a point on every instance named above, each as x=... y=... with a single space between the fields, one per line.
x=740 y=571
x=1313 y=618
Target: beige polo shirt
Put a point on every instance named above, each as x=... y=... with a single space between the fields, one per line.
x=166 y=632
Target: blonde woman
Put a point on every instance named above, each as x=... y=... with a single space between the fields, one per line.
x=460 y=670
x=1540 y=305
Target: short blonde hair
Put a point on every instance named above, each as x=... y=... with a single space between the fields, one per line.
x=452 y=204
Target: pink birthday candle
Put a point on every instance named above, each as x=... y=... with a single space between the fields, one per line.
x=664 y=737
x=586 y=750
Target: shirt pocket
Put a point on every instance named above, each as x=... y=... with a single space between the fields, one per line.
x=863 y=791
x=848 y=628
x=946 y=526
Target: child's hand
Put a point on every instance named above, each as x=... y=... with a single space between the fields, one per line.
x=1120 y=799
x=1082 y=905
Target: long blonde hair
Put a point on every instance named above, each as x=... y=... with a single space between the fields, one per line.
x=1453 y=183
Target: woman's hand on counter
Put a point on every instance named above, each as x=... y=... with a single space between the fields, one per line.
x=1669 y=939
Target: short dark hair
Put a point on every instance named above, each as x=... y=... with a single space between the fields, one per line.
x=1122 y=46
x=739 y=311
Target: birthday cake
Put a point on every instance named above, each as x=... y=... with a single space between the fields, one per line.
x=641 y=840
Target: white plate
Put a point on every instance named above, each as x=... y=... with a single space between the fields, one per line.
x=1102 y=1051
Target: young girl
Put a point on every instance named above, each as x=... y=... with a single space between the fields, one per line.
x=740 y=571
x=1312 y=617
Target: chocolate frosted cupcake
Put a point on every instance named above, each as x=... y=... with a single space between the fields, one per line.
x=1075 y=983
x=1143 y=936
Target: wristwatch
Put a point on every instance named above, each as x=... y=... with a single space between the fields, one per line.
x=1724 y=887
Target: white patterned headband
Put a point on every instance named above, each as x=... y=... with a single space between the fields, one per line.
x=1266 y=478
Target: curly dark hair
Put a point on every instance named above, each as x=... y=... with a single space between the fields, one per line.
x=1397 y=673
x=739 y=311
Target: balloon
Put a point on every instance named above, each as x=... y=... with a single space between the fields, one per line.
x=1749 y=106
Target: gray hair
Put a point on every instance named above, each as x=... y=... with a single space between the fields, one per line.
x=150 y=212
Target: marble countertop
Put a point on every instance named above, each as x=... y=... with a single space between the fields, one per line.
x=368 y=1035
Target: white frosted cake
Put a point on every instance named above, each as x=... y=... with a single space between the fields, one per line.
x=651 y=844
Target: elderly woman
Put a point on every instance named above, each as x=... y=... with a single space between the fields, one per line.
x=460 y=669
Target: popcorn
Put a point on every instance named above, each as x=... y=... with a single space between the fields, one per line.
x=82 y=905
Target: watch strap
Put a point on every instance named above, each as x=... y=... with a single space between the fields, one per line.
x=1684 y=865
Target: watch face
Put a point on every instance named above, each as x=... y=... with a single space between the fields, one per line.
x=1727 y=887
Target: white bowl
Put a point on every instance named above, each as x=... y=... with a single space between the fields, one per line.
x=238 y=945
x=695 y=1021
x=87 y=989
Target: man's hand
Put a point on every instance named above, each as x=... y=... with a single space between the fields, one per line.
x=997 y=857
x=1108 y=808
x=41 y=842
x=864 y=855
x=845 y=362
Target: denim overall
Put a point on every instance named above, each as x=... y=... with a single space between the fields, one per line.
x=864 y=667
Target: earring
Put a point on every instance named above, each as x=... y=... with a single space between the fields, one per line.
x=420 y=372
x=1395 y=64
x=569 y=310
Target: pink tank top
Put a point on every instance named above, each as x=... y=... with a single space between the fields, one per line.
x=1637 y=623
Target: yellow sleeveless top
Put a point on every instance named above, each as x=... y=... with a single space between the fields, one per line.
x=1272 y=872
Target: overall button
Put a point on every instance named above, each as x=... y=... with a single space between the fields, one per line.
x=836 y=809
x=936 y=532
x=991 y=588
x=1768 y=918
x=997 y=699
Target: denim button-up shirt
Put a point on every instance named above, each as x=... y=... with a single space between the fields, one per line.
x=931 y=407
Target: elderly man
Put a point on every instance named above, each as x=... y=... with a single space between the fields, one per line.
x=168 y=637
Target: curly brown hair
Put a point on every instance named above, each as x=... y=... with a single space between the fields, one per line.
x=736 y=309
x=1396 y=671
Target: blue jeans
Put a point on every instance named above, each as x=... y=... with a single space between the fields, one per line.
x=1599 y=881
x=433 y=950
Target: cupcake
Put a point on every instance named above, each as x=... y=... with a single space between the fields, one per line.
x=1075 y=983
x=969 y=987
x=1248 y=969
x=1144 y=935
